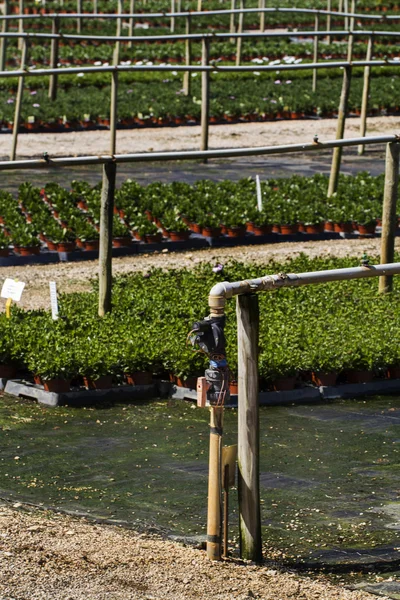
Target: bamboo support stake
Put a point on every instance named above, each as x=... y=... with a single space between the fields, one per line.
x=3 y=41
x=247 y=311
x=131 y=29
x=365 y=95
x=106 y=227
x=117 y=47
x=79 y=19
x=350 y=44
x=315 y=56
x=205 y=94
x=240 y=30
x=113 y=112
x=188 y=58
x=54 y=59
x=232 y=22
x=226 y=510
x=18 y=100
x=262 y=16
x=346 y=9
x=328 y=20
x=95 y=7
x=214 y=484
x=178 y=6
x=199 y=5
x=21 y=23
x=389 y=212
x=172 y=25
x=337 y=152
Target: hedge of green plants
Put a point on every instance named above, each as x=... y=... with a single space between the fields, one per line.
x=57 y=215
x=325 y=328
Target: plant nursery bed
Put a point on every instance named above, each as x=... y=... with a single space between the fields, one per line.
x=23 y=389
x=307 y=394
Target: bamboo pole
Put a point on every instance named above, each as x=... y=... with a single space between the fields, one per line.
x=232 y=21
x=131 y=29
x=18 y=100
x=247 y=311
x=337 y=152
x=172 y=25
x=315 y=55
x=21 y=23
x=53 y=80
x=205 y=94
x=113 y=112
x=350 y=43
x=365 y=95
x=95 y=7
x=106 y=227
x=389 y=212
x=79 y=19
x=199 y=5
x=226 y=510
x=328 y=20
x=262 y=15
x=214 y=484
x=346 y=10
x=240 y=40
x=117 y=47
x=188 y=59
x=3 y=41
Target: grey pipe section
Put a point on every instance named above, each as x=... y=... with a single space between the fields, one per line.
x=221 y=292
x=192 y=154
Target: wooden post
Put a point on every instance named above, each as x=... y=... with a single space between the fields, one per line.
x=248 y=428
x=337 y=152
x=239 y=39
x=214 y=484
x=106 y=228
x=233 y=20
x=205 y=94
x=20 y=24
x=3 y=41
x=350 y=44
x=226 y=509
x=188 y=58
x=389 y=216
x=315 y=56
x=18 y=100
x=365 y=95
x=172 y=26
x=131 y=29
x=54 y=59
x=113 y=111
x=79 y=19
x=262 y=16
x=328 y=20
x=118 y=34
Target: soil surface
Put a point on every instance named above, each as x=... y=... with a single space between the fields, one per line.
x=45 y=556
x=75 y=276
x=84 y=143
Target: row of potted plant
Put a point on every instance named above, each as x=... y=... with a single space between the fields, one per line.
x=152 y=313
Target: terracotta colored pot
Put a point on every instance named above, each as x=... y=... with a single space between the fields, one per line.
x=190 y=382
x=324 y=379
x=236 y=232
x=276 y=228
x=211 y=231
x=139 y=378
x=262 y=229
x=196 y=228
x=38 y=380
x=301 y=227
x=7 y=371
x=284 y=384
x=58 y=386
x=249 y=226
x=91 y=245
x=121 y=242
x=4 y=252
x=66 y=247
x=234 y=387
x=153 y=238
x=316 y=228
x=78 y=243
x=224 y=229
x=329 y=226
x=178 y=236
x=102 y=383
x=359 y=376
x=82 y=205
x=366 y=229
x=27 y=251
x=343 y=227
x=289 y=229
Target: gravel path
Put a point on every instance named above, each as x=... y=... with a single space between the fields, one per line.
x=46 y=556
x=75 y=276
x=188 y=137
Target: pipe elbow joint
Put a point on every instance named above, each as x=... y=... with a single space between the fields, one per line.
x=218 y=296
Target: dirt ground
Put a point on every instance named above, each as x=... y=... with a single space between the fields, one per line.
x=47 y=556
x=188 y=137
x=75 y=276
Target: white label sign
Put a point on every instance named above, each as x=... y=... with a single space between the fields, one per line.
x=12 y=289
x=259 y=194
x=54 y=300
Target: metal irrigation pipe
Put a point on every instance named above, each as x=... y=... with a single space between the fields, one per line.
x=192 y=154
